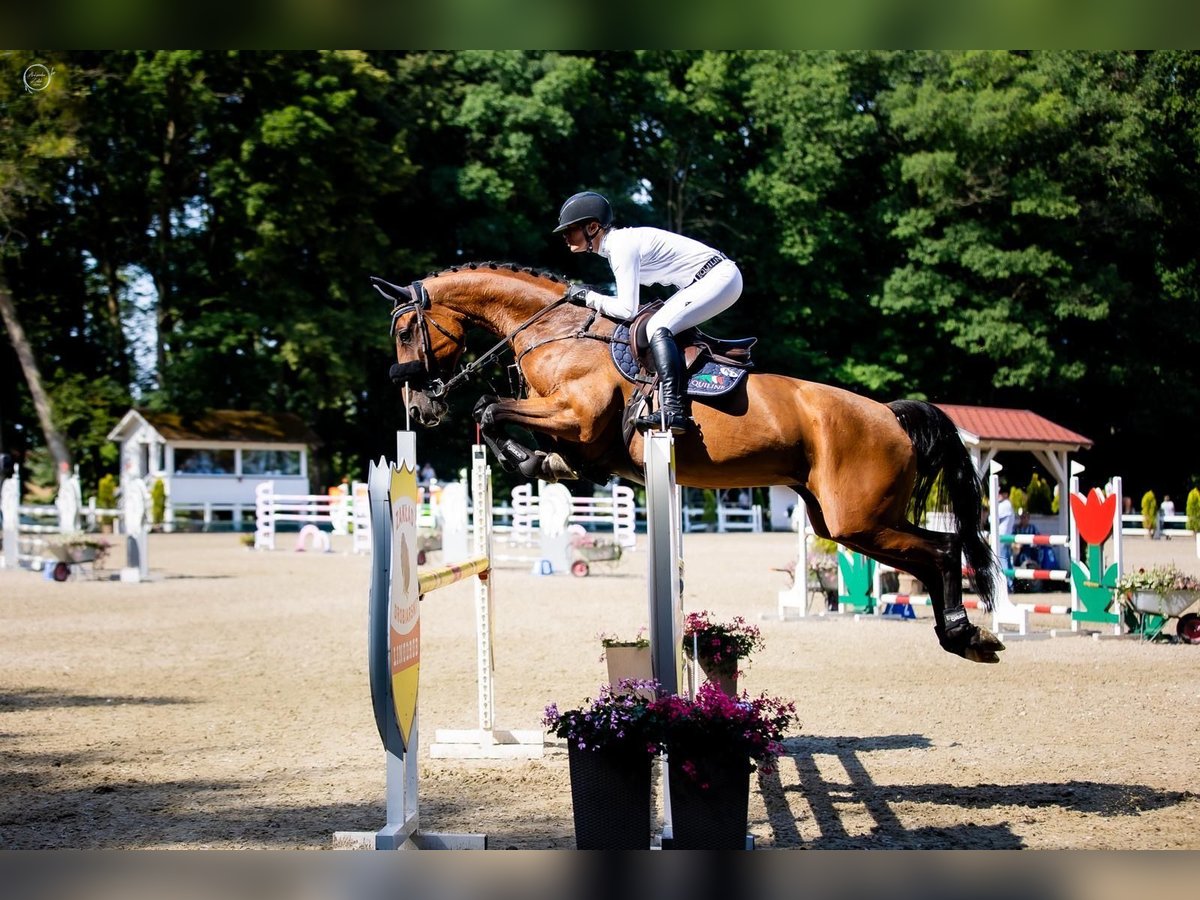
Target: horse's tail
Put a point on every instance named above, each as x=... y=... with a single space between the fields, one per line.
x=941 y=451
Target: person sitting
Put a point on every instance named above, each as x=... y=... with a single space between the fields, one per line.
x=1029 y=556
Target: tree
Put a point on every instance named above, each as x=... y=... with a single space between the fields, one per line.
x=34 y=131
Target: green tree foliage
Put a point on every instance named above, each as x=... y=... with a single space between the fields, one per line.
x=995 y=228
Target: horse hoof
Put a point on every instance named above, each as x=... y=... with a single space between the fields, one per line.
x=983 y=647
x=558 y=469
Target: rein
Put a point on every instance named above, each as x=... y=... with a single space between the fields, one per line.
x=421 y=305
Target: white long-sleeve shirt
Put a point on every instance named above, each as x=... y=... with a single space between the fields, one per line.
x=646 y=256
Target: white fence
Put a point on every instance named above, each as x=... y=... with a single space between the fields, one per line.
x=615 y=511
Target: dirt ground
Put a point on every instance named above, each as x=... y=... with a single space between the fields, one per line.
x=225 y=704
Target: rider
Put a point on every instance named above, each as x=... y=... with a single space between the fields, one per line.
x=708 y=283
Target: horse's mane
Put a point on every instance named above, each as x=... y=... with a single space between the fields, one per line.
x=502 y=267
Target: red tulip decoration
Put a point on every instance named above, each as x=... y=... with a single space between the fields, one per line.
x=1094 y=584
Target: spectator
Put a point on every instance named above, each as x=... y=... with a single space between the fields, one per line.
x=1029 y=556
x=428 y=475
x=1004 y=525
x=1165 y=512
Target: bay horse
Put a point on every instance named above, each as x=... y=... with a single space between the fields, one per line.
x=860 y=466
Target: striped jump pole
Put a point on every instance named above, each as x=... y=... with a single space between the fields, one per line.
x=1078 y=577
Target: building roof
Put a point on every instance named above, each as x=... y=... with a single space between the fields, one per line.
x=1013 y=428
x=224 y=426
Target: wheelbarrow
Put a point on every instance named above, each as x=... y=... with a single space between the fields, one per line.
x=71 y=558
x=587 y=548
x=1154 y=609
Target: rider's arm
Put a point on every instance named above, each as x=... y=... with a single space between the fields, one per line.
x=625 y=259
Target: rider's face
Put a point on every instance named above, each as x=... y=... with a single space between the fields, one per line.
x=575 y=239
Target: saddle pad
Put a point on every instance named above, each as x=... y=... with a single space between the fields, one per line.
x=710 y=380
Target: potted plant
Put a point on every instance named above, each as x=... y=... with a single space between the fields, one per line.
x=1163 y=590
x=611 y=742
x=718 y=647
x=713 y=743
x=627 y=658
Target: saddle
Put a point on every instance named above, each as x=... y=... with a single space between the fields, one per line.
x=714 y=367
x=695 y=345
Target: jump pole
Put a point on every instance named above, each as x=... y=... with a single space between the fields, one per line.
x=394 y=649
x=664 y=538
x=487 y=741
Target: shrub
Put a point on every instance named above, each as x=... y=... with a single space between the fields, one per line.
x=1193 y=510
x=158 y=501
x=1149 y=508
x=106 y=497
x=1040 y=497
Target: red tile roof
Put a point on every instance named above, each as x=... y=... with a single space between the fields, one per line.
x=990 y=423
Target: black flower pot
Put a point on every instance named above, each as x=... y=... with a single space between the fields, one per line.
x=610 y=799
x=711 y=810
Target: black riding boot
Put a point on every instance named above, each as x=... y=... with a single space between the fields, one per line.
x=668 y=362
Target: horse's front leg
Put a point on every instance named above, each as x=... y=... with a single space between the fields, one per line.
x=544 y=415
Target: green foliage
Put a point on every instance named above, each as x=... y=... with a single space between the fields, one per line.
x=1149 y=509
x=1193 y=510
x=158 y=501
x=825 y=545
x=195 y=228
x=1040 y=496
x=1018 y=499
x=106 y=496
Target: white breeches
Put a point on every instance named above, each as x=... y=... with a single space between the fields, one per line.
x=688 y=307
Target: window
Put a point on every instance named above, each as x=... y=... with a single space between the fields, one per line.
x=203 y=461
x=270 y=462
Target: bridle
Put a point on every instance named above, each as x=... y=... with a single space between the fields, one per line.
x=428 y=369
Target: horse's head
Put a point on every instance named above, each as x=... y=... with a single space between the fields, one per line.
x=429 y=341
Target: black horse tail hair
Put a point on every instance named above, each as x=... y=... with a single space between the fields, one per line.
x=940 y=451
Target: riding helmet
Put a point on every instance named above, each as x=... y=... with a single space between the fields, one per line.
x=582 y=207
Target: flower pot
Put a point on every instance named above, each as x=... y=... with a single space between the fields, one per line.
x=628 y=662
x=709 y=805
x=610 y=798
x=1164 y=604
x=721 y=674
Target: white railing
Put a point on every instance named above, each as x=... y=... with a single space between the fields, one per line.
x=615 y=512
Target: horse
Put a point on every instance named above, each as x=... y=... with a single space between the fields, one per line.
x=864 y=469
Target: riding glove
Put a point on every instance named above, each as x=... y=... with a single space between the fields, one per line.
x=577 y=294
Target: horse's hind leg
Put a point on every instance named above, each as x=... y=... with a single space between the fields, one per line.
x=935 y=558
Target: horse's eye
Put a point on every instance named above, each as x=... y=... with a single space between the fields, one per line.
x=404 y=336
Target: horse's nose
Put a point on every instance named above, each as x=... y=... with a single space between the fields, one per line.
x=407 y=373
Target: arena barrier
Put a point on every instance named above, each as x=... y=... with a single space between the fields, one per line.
x=1089 y=582
x=24 y=543
x=394 y=644
x=1093 y=521
x=616 y=511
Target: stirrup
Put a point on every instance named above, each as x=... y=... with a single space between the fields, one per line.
x=677 y=423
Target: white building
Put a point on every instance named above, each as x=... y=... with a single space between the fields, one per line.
x=211 y=464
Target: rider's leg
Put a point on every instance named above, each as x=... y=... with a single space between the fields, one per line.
x=688 y=307
x=668 y=362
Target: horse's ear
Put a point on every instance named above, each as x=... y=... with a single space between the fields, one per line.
x=393 y=292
